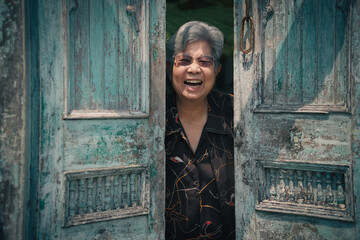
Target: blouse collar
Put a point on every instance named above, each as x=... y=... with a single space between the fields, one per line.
x=215 y=122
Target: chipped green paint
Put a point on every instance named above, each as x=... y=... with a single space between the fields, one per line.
x=300 y=67
x=103 y=121
x=279 y=84
x=100 y=76
x=108 y=145
x=153 y=171
x=41 y=204
x=155 y=54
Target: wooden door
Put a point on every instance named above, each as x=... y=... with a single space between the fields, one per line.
x=102 y=87
x=297 y=120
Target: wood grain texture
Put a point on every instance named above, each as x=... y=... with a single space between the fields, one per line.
x=14 y=99
x=99 y=110
x=108 y=56
x=300 y=69
x=355 y=107
x=305 y=56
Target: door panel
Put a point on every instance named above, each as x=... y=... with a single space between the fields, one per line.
x=294 y=121
x=102 y=86
x=108 y=47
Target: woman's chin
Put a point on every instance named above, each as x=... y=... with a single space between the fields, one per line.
x=193 y=95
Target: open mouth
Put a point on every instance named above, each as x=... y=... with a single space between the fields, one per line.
x=193 y=83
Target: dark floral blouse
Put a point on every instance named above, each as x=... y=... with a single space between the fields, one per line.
x=200 y=185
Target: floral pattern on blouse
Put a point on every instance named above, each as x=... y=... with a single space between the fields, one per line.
x=200 y=186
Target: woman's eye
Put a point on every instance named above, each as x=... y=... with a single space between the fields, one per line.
x=185 y=61
x=204 y=63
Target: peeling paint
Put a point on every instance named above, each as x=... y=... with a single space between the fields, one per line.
x=154 y=54
x=12 y=120
x=296 y=103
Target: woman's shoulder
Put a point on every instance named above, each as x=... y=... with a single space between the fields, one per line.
x=222 y=105
x=223 y=100
x=222 y=95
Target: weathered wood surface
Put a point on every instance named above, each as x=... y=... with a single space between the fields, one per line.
x=103 y=61
x=305 y=56
x=13 y=99
x=296 y=100
x=100 y=194
x=355 y=110
x=108 y=45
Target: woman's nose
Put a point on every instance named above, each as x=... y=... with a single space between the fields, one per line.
x=194 y=68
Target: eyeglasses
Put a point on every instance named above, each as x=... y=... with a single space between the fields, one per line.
x=186 y=60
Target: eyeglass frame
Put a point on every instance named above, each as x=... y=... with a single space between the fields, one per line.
x=212 y=62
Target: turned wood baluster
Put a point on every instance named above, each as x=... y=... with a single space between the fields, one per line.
x=309 y=189
x=90 y=197
x=282 y=184
x=82 y=201
x=272 y=190
x=291 y=192
x=132 y=190
x=99 y=197
x=300 y=187
x=116 y=192
x=72 y=198
x=329 y=192
x=107 y=197
x=340 y=191
x=125 y=201
x=319 y=190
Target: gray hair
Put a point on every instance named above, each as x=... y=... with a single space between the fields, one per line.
x=195 y=31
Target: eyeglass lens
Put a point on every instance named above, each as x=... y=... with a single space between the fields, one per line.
x=202 y=61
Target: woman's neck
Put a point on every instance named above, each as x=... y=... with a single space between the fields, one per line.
x=193 y=117
x=190 y=111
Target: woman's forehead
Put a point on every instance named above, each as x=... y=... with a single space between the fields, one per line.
x=198 y=47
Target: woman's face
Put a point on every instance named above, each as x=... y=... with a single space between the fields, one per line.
x=190 y=80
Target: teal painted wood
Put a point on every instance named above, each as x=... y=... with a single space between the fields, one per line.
x=157 y=32
x=96 y=36
x=326 y=31
x=309 y=61
x=298 y=56
x=111 y=50
x=115 y=143
x=281 y=133
x=322 y=136
x=33 y=111
x=14 y=128
x=355 y=104
x=294 y=78
x=79 y=88
x=108 y=55
x=280 y=54
x=95 y=57
x=51 y=75
x=243 y=91
x=268 y=59
x=341 y=83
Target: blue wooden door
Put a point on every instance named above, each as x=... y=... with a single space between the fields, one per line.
x=102 y=87
x=297 y=120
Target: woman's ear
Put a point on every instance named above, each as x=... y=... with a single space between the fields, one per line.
x=218 y=69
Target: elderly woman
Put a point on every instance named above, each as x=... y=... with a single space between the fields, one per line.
x=199 y=139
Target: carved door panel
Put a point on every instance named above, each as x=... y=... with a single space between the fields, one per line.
x=102 y=76
x=297 y=121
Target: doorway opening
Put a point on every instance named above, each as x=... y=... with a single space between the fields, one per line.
x=213 y=12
